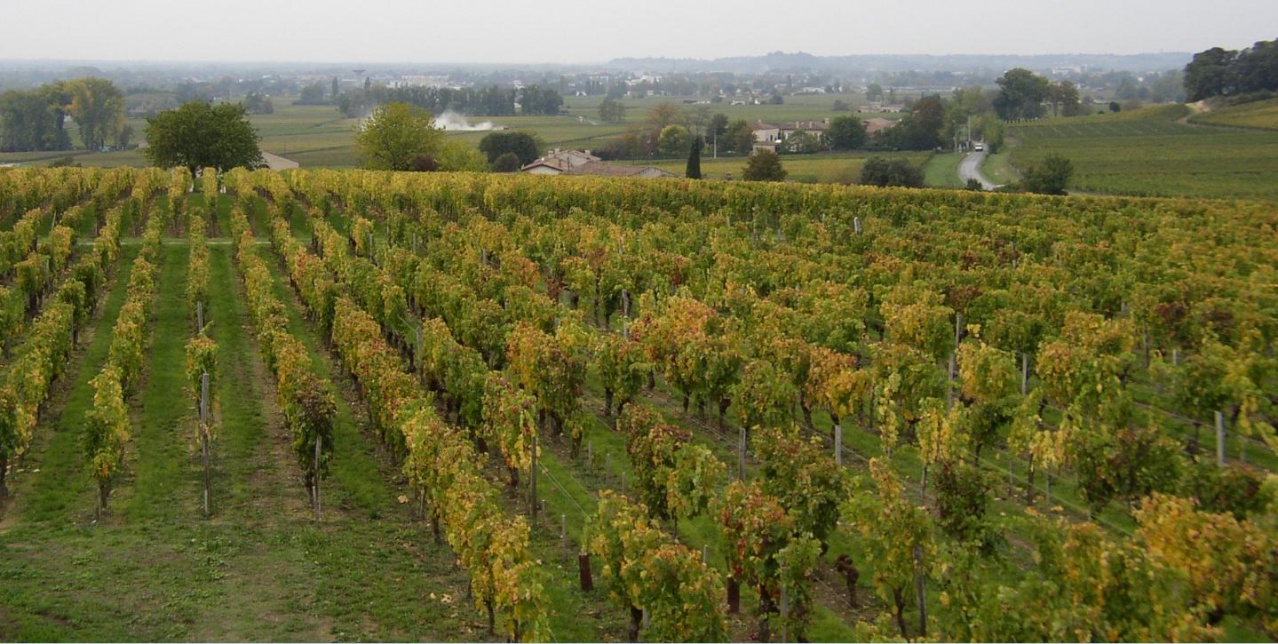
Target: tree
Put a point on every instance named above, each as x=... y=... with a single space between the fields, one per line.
x=458 y=156
x=507 y=162
x=612 y=110
x=673 y=140
x=920 y=129
x=1050 y=178
x=98 y=108
x=395 y=134
x=1220 y=72
x=1064 y=99
x=124 y=136
x=738 y=137
x=661 y=115
x=1209 y=74
x=540 y=101
x=882 y=172
x=198 y=135
x=718 y=125
x=845 y=133
x=312 y=94
x=874 y=92
x=696 y=120
x=764 y=165
x=694 y=159
x=1256 y=69
x=524 y=145
x=929 y=113
x=33 y=120
x=258 y=103
x=1021 y=95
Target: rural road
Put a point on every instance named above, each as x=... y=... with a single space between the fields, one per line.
x=970 y=168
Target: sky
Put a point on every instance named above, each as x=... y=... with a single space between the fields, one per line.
x=583 y=31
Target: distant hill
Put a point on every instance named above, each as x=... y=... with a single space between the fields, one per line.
x=804 y=62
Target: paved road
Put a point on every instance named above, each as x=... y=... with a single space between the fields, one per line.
x=970 y=168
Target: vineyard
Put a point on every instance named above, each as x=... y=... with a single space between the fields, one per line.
x=1151 y=152
x=1259 y=114
x=328 y=404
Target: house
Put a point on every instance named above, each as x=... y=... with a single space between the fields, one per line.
x=576 y=162
x=768 y=137
x=599 y=168
x=558 y=162
x=815 y=128
x=766 y=133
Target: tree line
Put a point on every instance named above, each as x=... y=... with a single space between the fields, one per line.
x=35 y=120
x=1223 y=72
x=493 y=100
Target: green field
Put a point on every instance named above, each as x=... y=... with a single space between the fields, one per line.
x=1152 y=152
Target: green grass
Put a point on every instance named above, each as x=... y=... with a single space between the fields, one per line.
x=997 y=168
x=160 y=444
x=941 y=170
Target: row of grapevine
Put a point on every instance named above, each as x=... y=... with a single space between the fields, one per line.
x=20 y=240
x=493 y=549
x=34 y=271
x=201 y=350
x=58 y=190
x=51 y=336
x=107 y=424
x=305 y=398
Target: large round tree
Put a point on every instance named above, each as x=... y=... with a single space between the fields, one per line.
x=846 y=133
x=764 y=165
x=199 y=135
x=398 y=136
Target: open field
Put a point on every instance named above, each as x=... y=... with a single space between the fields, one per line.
x=736 y=305
x=1151 y=152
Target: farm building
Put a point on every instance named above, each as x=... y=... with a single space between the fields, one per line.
x=577 y=162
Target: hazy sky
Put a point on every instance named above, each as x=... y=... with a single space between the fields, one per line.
x=566 y=31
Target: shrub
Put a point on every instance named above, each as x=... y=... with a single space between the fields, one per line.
x=1050 y=178
x=883 y=172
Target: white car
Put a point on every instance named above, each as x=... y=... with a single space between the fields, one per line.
x=978 y=147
